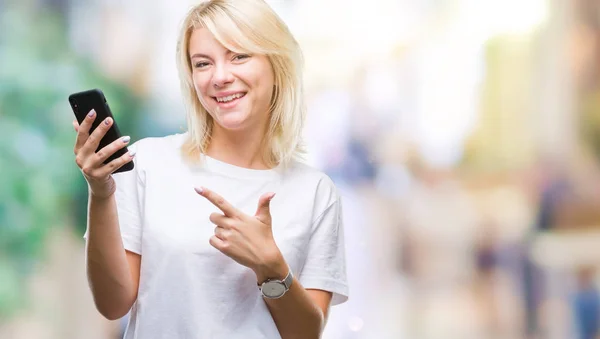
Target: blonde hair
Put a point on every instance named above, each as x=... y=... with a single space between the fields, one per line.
x=247 y=26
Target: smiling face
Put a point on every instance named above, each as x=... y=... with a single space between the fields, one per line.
x=235 y=88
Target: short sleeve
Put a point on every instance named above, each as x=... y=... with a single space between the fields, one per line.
x=130 y=204
x=325 y=266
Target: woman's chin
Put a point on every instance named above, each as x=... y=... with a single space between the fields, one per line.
x=232 y=122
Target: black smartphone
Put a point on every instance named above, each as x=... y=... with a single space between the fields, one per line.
x=82 y=103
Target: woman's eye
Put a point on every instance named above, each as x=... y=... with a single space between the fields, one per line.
x=200 y=64
x=241 y=56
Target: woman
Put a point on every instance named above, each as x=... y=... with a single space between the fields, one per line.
x=194 y=241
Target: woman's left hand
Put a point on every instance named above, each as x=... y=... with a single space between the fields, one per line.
x=246 y=239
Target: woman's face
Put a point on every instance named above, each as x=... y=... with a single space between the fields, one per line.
x=234 y=88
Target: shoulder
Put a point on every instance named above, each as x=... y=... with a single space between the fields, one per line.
x=314 y=182
x=310 y=175
x=152 y=149
x=159 y=144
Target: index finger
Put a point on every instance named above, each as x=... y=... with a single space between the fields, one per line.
x=218 y=201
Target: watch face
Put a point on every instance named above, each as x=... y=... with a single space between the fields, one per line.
x=273 y=289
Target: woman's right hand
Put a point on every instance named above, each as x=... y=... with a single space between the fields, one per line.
x=96 y=173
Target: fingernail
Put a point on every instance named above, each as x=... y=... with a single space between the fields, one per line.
x=107 y=121
x=125 y=139
x=198 y=190
x=131 y=153
x=272 y=196
x=91 y=113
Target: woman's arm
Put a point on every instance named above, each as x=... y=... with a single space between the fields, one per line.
x=113 y=273
x=300 y=313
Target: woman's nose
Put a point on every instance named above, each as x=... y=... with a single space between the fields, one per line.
x=222 y=76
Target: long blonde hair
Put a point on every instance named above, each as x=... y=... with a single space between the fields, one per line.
x=247 y=26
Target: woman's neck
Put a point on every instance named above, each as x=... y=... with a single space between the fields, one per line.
x=237 y=148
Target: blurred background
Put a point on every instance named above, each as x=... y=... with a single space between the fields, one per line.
x=464 y=136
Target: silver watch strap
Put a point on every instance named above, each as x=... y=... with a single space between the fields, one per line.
x=287 y=281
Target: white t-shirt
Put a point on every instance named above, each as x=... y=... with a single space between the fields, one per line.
x=188 y=289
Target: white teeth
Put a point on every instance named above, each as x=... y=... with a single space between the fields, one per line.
x=230 y=97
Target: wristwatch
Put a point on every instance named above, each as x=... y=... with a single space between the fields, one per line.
x=275 y=288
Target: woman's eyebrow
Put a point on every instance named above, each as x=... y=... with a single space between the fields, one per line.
x=200 y=55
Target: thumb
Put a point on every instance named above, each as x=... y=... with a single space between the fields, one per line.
x=263 y=212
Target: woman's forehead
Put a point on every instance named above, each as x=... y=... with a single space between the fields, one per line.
x=203 y=39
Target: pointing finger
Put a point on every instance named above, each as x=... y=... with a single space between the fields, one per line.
x=218 y=201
